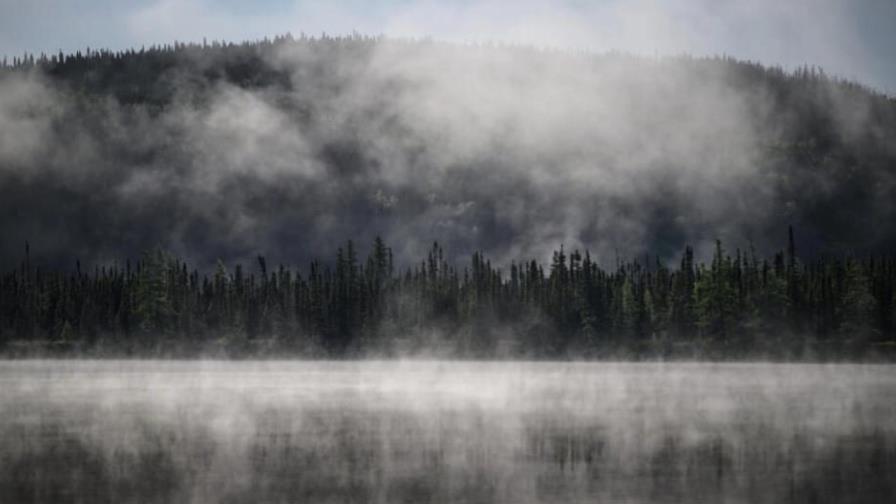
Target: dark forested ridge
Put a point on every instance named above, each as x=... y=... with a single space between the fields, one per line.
x=289 y=145
x=736 y=306
x=218 y=153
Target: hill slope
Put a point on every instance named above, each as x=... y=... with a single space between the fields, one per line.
x=287 y=147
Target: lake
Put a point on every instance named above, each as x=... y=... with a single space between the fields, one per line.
x=424 y=431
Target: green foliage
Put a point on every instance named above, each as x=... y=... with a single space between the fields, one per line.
x=357 y=305
x=715 y=297
x=858 y=305
x=154 y=306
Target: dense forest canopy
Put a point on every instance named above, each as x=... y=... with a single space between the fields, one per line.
x=736 y=306
x=284 y=147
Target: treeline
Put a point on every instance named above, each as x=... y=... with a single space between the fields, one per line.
x=154 y=75
x=148 y=74
x=734 y=306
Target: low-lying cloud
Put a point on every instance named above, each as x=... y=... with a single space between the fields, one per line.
x=513 y=151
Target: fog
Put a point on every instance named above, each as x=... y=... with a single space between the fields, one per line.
x=125 y=431
x=509 y=150
x=849 y=38
x=519 y=131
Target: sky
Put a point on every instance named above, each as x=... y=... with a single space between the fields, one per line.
x=853 y=39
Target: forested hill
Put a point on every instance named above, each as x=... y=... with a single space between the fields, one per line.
x=736 y=306
x=283 y=147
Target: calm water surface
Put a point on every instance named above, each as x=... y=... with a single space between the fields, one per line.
x=416 y=432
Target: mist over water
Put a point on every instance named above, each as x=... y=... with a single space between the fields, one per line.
x=430 y=431
x=204 y=184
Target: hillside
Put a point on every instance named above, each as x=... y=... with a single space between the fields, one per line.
x=288 y=147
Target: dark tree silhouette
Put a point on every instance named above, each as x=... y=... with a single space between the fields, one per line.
x=732 y=307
